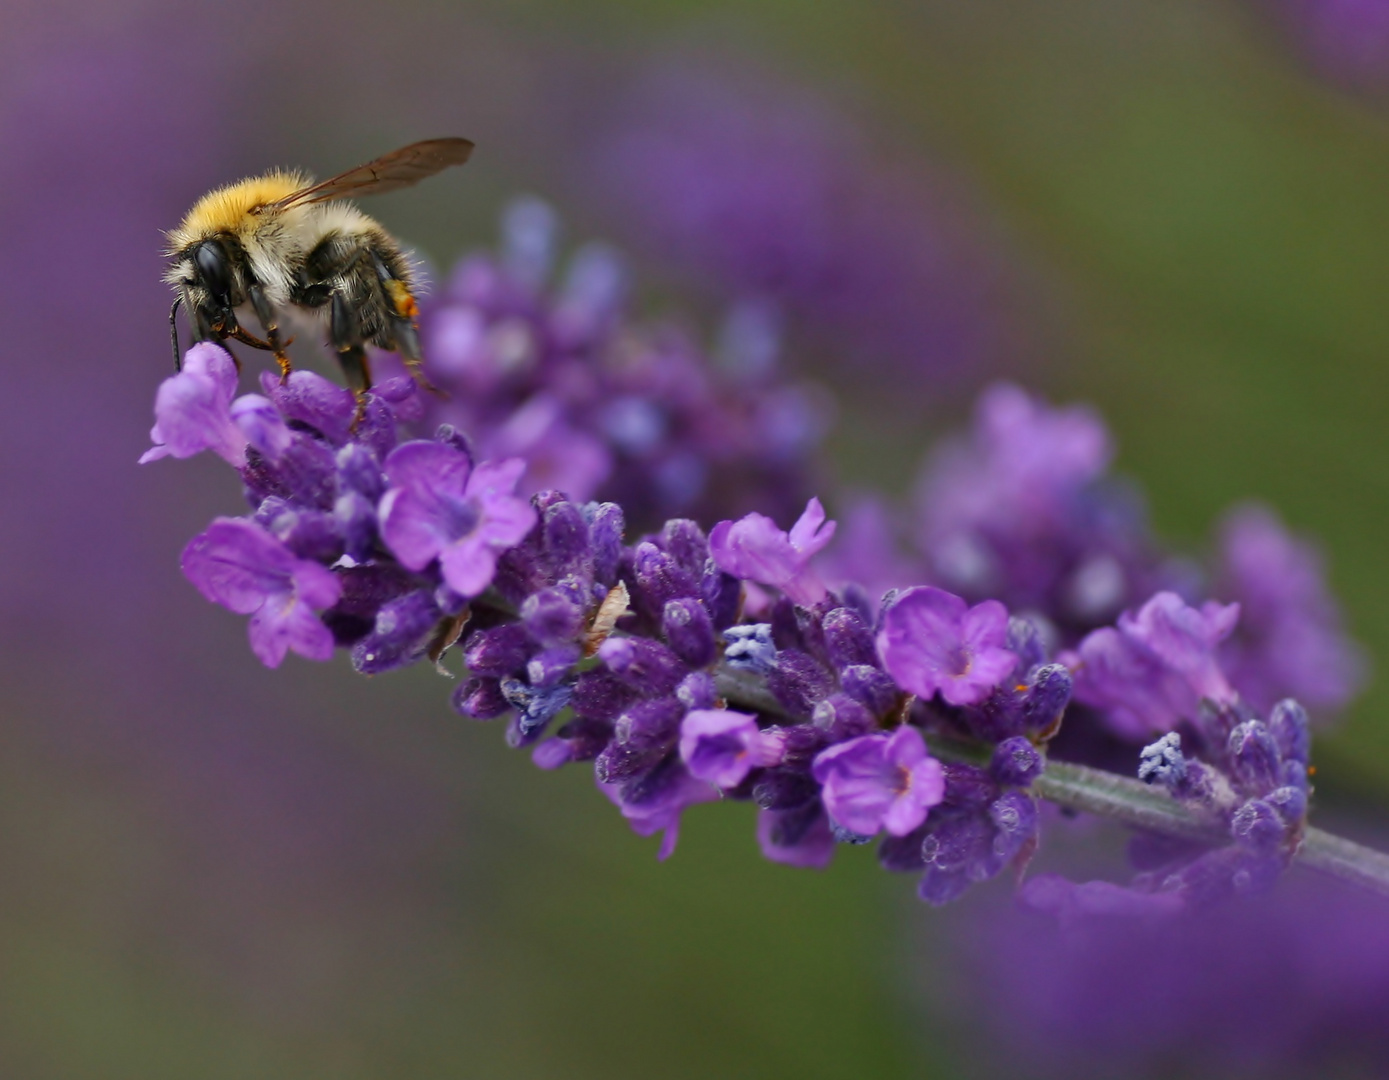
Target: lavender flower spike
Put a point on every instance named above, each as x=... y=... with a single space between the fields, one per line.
x=241 y=566
x=438 y=506
x=880 y=782
x=722 y=746
x=192 y=410
x=753 y=548
x=932 y=641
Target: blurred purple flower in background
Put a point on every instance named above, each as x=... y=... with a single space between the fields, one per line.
x=1289 y=639
x=1294 y=983
x=763 y=189
x=1347 y=41
x=602 y=405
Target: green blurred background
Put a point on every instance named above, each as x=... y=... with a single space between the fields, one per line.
x=1196 y=236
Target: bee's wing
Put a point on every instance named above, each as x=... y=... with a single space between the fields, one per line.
x=398 y=169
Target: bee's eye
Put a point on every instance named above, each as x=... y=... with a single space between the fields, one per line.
x=211 y=259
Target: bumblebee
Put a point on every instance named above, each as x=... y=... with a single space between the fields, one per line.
x=290 y=251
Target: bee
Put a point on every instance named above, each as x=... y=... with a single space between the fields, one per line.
x=288 y=250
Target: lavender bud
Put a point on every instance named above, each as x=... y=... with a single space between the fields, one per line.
x=902 y=854
x=1291 y=730
x=401 y=633
x=586 y=738
x=650 y=723
x=600 y=695
x=848 y=639
x=1254 y=760
x=842 y=717
x=565 y=538
x=535 y=707
x=800 y=744
x=1295 y=775
x=1016 y=762
x=697 y=691
x=1014 y=815
x=1290 y=802
x=968 y=786
x=660 y=578
x=793 y=825
x=723 y=594
x=749 y=648
x=1025 y=641
x=870 y=685
x=356 y=518
x=686 y=543
x=310 y=534
x=798 y=683
x=451 y=436
x=498 y=651
x=961 y=842
x=448 y=601
x=552 y=753
x=785 y=789
x=550 y=665
x=642 y=736
x=689 y=632
x=844 y=836
x=307 y=473
x=1048 y=694
x=480 y=699
x=360 y=471
x=644 y=665
x=1163 y=762
x=605 y=530
x=553 y=616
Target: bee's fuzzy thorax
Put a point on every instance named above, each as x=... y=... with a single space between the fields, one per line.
x=227 y=209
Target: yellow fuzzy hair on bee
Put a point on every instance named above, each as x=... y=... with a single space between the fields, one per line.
x=226 y=209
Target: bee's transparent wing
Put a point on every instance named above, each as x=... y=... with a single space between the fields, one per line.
x=390 y=172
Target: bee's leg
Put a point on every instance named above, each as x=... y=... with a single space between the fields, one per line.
x=346 y=337
x=173 y=331
x=265 y=312
x=407 y=344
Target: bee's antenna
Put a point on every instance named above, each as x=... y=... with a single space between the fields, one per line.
x=173 y=331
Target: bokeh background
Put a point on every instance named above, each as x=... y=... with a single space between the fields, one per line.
x=1173 y=209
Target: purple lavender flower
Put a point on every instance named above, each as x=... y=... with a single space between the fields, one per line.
x=754 y=548
x=800 y=836
x=1153 y=670
x=880 y=782
x=1346 y=40
x=721 y=746
x=602 y=406
x=438 y=505
x=933 y=641
x=239 y=565
x=759 y=187
x=655 y=805
x=1289 y=641
x=193 y=409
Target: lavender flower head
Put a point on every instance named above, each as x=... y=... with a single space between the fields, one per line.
x=685 y=667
